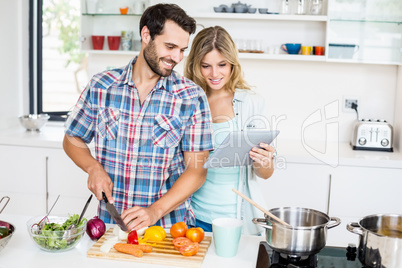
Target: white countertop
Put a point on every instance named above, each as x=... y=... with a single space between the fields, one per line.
x=21 y=252
x=292 y=151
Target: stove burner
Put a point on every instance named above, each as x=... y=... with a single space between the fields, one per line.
x=333 y=257
x=284 y=261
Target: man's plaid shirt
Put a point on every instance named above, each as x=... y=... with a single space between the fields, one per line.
x=141 y=146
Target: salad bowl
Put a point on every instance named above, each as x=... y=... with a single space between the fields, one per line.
x=51 y=234
x=4 y=240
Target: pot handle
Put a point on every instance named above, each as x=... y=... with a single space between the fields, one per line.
x=259 y=221
x=336 y=220
x=355 y=228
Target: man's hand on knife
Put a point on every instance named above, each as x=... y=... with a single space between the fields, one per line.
x=98 y=182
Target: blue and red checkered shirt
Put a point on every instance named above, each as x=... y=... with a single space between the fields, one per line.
x=141 y=146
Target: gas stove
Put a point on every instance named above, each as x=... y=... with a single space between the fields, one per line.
x=328 y=257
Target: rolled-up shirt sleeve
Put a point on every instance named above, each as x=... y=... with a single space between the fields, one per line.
x=80 y=122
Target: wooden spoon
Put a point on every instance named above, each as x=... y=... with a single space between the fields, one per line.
x=260 y=208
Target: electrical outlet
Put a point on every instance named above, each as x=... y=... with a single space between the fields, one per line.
x=347 y=103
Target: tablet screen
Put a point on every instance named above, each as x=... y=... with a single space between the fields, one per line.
x=235 y=148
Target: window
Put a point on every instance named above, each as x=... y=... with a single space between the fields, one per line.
x=58 y=70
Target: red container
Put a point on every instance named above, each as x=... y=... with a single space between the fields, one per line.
x=98 y=41
x=113 y=42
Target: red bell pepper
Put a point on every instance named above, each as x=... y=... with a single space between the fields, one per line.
x=132 y=238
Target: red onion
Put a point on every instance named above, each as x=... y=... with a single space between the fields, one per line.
x=95 y=228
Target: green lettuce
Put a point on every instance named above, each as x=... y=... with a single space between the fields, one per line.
x=51 y=236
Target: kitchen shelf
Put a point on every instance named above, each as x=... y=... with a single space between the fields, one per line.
x=110 y=14
x=257 y=56
x=363 y=61
x=367 y=21
x=111 y=52
x=374 y=33
x=247 y=16
x=250 y=56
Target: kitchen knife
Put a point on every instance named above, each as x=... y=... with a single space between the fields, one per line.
x=115 y=215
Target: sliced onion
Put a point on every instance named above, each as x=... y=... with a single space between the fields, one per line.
x=95 y=228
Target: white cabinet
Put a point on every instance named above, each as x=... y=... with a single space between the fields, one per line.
x=361 y=191
x=33 y=177
x=70 y=182
x=299 y=185
x=23 y=179
x=357 y=192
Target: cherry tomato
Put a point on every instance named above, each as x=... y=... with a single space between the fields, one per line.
x=190 y=249
x=178 y=229
x=132 y=238
x=178 y=242
x=195 y=234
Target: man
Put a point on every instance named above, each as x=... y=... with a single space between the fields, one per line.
x=151 y=128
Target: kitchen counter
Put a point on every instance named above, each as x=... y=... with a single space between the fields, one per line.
x=21 y=252
x=292 y=151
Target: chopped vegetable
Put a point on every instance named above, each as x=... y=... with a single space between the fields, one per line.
x=109 y=242
x=120 y=233
x=160 y=229
x=141 y=231
x=4 y=231
x=154 y=234
x=106 y=247
x=129 y=249
x=180 y=241
x=144 y=248
x=190 y=249
x=112 y=238
x=132 y=238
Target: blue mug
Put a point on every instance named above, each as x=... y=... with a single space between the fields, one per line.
x=291 y=48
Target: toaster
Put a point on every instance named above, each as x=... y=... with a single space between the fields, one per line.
x=372 y=135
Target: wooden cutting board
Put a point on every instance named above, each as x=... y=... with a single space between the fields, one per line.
x=162 y=253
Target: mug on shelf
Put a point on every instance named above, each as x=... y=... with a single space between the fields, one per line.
x=318 y=50
x=98 y=41
x=306 y=50
x=113 y=42
x=291 y=48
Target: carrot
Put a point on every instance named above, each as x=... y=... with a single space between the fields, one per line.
x=129 y=249
x=144 y=248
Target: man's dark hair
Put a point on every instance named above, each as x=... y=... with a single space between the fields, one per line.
x=155 y=16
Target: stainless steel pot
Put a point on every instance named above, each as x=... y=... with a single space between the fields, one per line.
x=306 y=235
x=380 y=242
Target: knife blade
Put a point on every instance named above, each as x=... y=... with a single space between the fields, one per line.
x=114 y=214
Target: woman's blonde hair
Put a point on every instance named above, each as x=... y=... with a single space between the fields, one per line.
x=205 y=41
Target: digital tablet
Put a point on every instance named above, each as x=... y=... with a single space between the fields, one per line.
x=234 y=149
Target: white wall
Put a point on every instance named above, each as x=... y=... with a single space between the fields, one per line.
x=398 y=111
x=292 y=89
x=14 y=69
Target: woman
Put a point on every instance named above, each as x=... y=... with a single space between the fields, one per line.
x=214 y=65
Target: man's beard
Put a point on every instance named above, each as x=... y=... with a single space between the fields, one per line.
x=151 y=58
